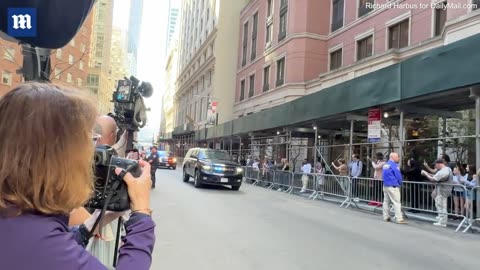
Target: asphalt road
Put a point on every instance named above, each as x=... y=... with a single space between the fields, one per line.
x=255 y=228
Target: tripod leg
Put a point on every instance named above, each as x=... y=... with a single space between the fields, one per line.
x=117 y=241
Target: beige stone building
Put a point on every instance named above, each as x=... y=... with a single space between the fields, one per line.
x=207 y=53
x=119 y=55
x=99 y=80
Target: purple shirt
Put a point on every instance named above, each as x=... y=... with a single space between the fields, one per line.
x=45 y=242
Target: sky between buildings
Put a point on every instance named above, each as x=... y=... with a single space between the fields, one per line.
x=151 y=53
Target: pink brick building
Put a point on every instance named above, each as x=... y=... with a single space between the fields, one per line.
x=290 y=48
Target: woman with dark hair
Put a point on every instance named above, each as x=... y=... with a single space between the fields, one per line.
x=470 y=182
x=459 y=175
x=46 y=172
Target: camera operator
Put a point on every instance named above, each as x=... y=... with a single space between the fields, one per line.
x=154 y=162
x=46 y=173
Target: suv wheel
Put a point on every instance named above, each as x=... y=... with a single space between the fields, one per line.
x=197 y=179
x=235 y=187
x=186 y=177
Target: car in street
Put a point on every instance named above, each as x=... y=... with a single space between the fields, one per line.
x=167 y=159
x=212 y=167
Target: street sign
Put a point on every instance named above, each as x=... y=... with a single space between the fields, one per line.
x=374 y=125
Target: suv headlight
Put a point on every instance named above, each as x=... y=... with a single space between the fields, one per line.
x=239 y=170
x=206 y=168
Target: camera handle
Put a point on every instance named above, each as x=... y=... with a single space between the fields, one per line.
x=115 y=186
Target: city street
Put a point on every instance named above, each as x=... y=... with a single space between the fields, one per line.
x=255 y=228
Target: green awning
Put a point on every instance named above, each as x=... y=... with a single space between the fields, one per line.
x=452 y=66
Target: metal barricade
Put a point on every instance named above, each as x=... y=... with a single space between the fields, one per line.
x=420 y=196
x=252 y=174
x=283 y=180
x=471 y=197
x=336 y=186
x=267 y=177
x=305 y=182
x=367 y=190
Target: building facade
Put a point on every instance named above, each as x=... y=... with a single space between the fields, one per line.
x=173 y=16
x=134 y=25
x=205 y=58
x=99 y=80
x=289 y=49
x=119 y=55
x=11 y=60
x=168 y=96
x=68 y=68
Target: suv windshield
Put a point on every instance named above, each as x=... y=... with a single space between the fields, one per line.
x=165 y=154
x=214 y=154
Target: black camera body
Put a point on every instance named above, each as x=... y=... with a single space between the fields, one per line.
x=108 y=184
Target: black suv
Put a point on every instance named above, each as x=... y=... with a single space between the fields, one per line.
x=212 y=167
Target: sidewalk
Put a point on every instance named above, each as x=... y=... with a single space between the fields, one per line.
x=421 y=216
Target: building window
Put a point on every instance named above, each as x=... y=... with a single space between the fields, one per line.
x=83 y=47
x=6 y=78
x=266 y=78
x=81 y=65
x=280 y=72
x=440 y=17
x=59 y=53
x=364 y=7
x=365 y=48
x=79 y=82
x=72 y=42
x=242 y=90
x=254 y=36
x=336 y=59
x=251 y=86
x=9 y=54
x=69 y=77
x=70 y=59
x=269 y=8
x=337 y=15
x=57 y=73
x=245 y=42
x=268 y=35
x=209 y=80
x=283 y=20
x=398 y=35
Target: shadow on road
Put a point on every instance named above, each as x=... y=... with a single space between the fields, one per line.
x=216 y=188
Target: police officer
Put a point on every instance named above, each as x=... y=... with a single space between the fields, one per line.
x=153 y=160
x=392 y=180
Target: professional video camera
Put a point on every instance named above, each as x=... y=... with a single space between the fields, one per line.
x=110 y=191
x=130 y=112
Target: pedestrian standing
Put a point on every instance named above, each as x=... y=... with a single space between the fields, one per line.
x=377 y=164
x=356 y=168
x=392 y=181
x=154 y=162
x=306 y=169
x=443 y=175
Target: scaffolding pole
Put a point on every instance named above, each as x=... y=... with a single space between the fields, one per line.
x=401 y=135
x=351 y=140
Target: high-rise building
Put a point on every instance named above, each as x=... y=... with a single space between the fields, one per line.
x=173 y=14
x=119 y=55
x=68 y=68
x=99 y=79
x=134 y=25
x=205 y=57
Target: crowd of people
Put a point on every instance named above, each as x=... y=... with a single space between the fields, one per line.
x=452 y=183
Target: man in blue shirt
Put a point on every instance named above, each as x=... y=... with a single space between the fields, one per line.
x=392 y=180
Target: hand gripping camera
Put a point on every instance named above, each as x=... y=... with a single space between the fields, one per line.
x=110 y=191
